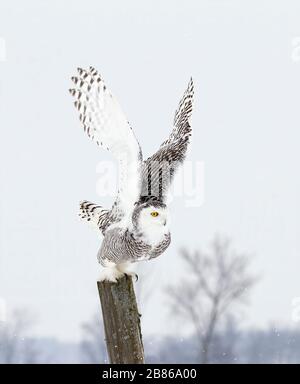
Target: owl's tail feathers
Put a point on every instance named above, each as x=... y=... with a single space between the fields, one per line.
x=94 y=214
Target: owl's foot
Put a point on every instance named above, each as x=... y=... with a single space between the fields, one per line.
x=127 y=269
x=111 y=274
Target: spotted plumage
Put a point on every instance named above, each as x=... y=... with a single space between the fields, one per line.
x=137 y=226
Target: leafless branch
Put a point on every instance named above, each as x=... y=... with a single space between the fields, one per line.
x=216 y=282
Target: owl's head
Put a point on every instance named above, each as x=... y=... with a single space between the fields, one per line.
x=151 y=219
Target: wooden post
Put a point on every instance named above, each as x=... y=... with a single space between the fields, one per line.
x=121 y=322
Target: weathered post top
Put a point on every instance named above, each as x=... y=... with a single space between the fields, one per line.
x=121 y=322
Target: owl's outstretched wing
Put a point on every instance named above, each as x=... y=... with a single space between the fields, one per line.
x=97 y=216
x=105 y=123
x=158 y=170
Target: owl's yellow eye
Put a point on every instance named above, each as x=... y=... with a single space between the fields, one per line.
x=154 y=214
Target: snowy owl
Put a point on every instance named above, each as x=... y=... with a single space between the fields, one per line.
x=137 y=226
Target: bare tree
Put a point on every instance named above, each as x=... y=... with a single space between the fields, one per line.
x=15 y=345
x=92 y=346
x=216 y=282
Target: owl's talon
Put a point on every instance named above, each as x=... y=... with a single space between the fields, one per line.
x=132 y=274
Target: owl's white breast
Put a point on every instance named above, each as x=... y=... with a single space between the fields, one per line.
x=153 y=234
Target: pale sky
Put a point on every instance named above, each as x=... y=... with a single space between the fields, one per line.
x=244 y=61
